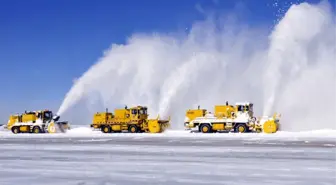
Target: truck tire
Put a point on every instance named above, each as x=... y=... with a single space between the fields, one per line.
x=15 y=130
x=133 y=129
x=241 y=128
x=36 y=130
x=106 y=129
x=205 y=128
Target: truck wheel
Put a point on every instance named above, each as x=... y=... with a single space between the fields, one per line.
x=36 y=130
x=106 y=129
x=241 y=128
x=205 y=128
x=133 y=129
x=15 y=130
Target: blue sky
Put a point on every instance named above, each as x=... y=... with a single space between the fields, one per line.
x=44 y=45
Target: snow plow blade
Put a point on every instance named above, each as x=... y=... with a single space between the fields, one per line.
x=157 y=125
x=58 y=127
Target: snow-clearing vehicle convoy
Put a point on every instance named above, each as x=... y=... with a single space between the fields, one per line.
x=225 y=118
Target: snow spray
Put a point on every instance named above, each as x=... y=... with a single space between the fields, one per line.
x=216 y=61
x=300 y=70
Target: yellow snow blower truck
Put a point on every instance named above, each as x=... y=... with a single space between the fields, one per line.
x=227 y=118
x=133 y=120
x=43 y=121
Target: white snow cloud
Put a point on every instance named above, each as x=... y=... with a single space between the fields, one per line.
x=218 y=61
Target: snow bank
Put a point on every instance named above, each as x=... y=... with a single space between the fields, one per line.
x=80 y=130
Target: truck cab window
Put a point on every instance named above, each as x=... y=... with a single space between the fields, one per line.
x=47 y=115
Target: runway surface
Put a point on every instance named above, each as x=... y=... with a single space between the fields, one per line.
x=139 y=159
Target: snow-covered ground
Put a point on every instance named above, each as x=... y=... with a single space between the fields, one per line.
x=83 y=157
x=86 y=131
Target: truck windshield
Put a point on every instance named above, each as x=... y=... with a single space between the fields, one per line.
x=143 y=111
x=47 y=115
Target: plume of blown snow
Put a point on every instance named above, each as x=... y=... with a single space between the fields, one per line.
x=291 y=72
x=300 y=73
x=170 y=74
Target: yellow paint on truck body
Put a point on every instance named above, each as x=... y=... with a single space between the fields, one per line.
x=218 y=126
x=116 y=127
x=122 y=114
x=28 y=117
x=24 y=128
x=224 y=111
x=191 y=114
x=102 y=117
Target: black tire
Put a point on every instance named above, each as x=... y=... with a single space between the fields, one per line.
x=241 y=128
x=36 y=130
x=133 y=129
x=106 y=129
x=15 y=130
x=205 y=128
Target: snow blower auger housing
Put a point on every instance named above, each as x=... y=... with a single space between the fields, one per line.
x=133 y=120
x=43 y=121
x=267 y=124
x=229 y=118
